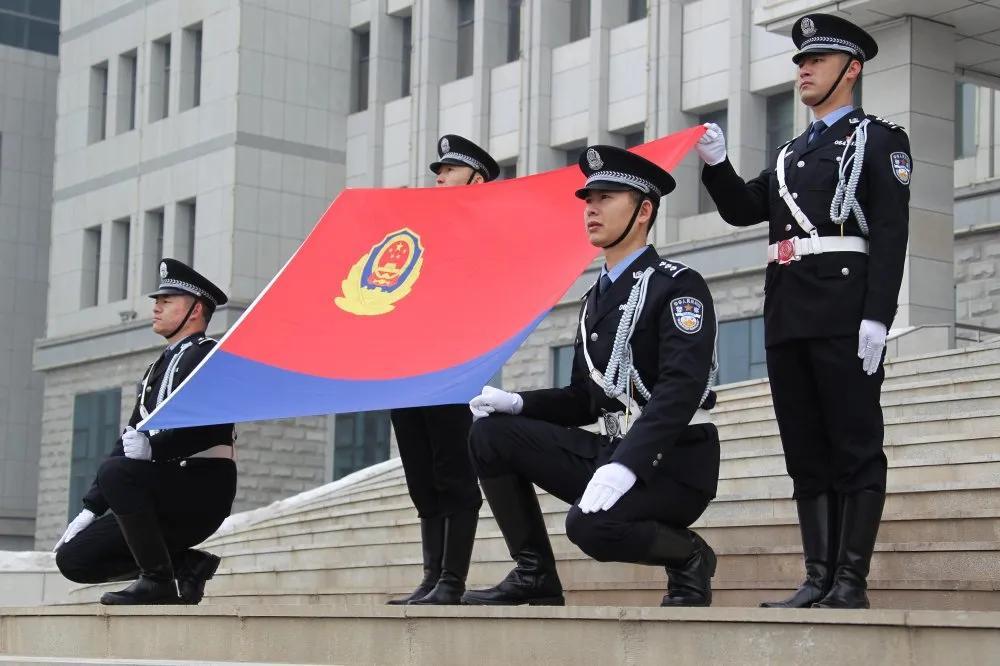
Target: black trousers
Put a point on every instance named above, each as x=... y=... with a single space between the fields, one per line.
x=562 y=461
x=433 y=445
x=190 y=501
x=829 y=416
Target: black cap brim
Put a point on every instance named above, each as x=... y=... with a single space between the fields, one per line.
x=607 y=186
x=450 y=161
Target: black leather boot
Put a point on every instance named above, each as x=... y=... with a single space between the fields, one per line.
x=818 y=523
x=459 y=537
x=432 y=542
x=194 y=568
x=690 y=567
x=862 y=513
x=156 y=584
x=533 y=580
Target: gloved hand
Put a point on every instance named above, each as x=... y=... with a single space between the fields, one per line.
x=494 y=400
x=606 y=487
x=136 y=444
x=76 y=526
x=871 y=342
x=711 y=146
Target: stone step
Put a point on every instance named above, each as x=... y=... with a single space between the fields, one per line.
x=491 y=636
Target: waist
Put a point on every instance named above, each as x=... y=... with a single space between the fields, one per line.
x=224 y=451
x=614 y=424
x=793 y=249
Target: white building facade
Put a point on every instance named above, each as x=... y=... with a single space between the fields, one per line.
x=225 y=127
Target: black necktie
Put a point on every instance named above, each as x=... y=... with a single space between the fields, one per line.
x=603 y=284
x=817 y=129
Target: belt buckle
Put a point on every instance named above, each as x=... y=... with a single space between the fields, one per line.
x=612 y=426
x=786 y=251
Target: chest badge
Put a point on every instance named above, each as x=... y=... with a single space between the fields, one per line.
x=688 y=314
x=901 y=167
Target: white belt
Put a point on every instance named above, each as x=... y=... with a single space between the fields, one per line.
x=613 y=424
x=794 y=249
x=217 y=451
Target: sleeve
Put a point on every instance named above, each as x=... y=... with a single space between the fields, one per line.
x=182 y=442
x=888 y=215
x=568 y=406
x=740 y=203
x=685 y=361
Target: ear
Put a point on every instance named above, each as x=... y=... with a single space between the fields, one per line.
x=645 y=212
x=199 y=309
x=477 y=178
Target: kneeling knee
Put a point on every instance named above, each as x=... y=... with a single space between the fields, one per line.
x=483 y=436
x=114 y=469
x=71 y=568
x=585 y=531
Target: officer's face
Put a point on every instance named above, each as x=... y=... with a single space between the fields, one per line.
x=169 y=311
x=607 y=215
x=817 y=74
x=450 y=174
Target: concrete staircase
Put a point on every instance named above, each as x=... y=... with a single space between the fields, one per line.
x=355 y=543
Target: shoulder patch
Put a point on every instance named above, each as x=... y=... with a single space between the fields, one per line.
x=885 y=123
x=688 y=313
x=671 y=268
x=902 y=166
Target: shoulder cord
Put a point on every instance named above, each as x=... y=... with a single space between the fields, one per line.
x=167 y=385
x=620 y=363
x=844 y=203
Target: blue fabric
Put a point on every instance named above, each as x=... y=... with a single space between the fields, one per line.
x=831 y=118
x=620 y=267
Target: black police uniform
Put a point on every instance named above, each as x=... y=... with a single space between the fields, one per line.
x=162 y=507
x=827 y=407
x=434 y=451
x=677 y=464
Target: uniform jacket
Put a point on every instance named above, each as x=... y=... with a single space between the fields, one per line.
x=674 y=360
x=828 y=294
x=175 y=443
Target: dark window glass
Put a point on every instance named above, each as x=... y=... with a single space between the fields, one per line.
x=573 y=155
x=965 y=120
x=361 y=53
x=636 y=10
x=508 y=171
x=46 y=9
x=634 y=139
x=780 y=122
x=407 y=53
x=465 y=37
x=562 y=365
x=741 y=350
x=720 y=118
x=96 y=419
x=361 y=440
x=513 y=30
x=30 y=24
x=579 y=19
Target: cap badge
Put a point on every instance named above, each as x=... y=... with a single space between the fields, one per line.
x=808 y=27
x=163 y=270
x=594 y=160
x=445 y=146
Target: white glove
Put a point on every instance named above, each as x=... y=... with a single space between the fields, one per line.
x=77 y=525
x=606 y=487
x=494 y=400
x=871 y=342
x=711 y=146
x=136 y=444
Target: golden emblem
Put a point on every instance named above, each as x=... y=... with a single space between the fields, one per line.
x=383 y=276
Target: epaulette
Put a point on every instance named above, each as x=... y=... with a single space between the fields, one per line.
x=206 y=339
x=885 y=123
x=671 y=268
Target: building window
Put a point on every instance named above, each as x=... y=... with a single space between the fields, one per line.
x=91 y=267
x=96 y=417
x=128 y=69
x=965 y=120
x=508 y=171
x=720 y=118
x=636 y=10
x=152 y=246
x=191 y=67
x=465 y=37
x=579 y=19
x=98 y=116
x=118 y=264
x=562 y=365
x=573 y=155
x=361 y=439
x=780 y=122
x=741 y=350
x=159 y=80
x=184 y=231
x=362 y=42
x=30 y=24
x=407 y=45
x=513 y=30
x=633 y=139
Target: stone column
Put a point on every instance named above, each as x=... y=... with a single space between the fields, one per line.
x=604 y=15
x=488 y=51
x=434 y=43
x=545 y=24
x=746 y=114
x=912 y=85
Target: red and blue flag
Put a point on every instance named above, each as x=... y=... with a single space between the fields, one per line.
x=400 y=297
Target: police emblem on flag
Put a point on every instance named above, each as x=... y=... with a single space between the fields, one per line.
x=901 y=167
x=383 y=276
x=688 y=314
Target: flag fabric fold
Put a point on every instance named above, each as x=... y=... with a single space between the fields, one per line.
x=400 y=297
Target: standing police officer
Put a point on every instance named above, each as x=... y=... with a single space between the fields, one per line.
x=837 y=201
x=168 y=490
x=433 y=440
x=643 y=364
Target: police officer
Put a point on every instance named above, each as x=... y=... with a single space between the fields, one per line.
x=836 y=200
x=643 y=362
x=433 y=440
x=168 y=490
